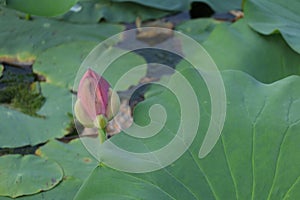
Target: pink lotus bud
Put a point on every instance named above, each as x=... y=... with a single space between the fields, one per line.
x=96 y=102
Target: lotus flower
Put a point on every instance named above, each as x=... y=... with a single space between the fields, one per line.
x=96 y=102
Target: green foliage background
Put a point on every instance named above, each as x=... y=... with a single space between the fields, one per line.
x=259 y=59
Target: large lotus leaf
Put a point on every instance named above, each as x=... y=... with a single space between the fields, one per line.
x=239 y=47
x=24 y=175
x=60 y=64
x=23 y=43
x=182 y=5
x=198 y=29
x=92 y=11
x=271 y=16
x=73 y=157
x=171 y=5
x=18 y=129
x=65 y=190
x=256 y=156
x=76 y=163
x=41 y=7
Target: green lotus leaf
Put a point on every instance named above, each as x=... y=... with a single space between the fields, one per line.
x=198 y=29
x=60 y=64
x=30 y=38
x=41 y=7
x=92 y=11
x=19 y=129
x=183 y=5
x=171 y=5
x=256 y=156
x=269 y=17
x=68 y=154
x=238 y=47
x=76 y=163
x=25 y=175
